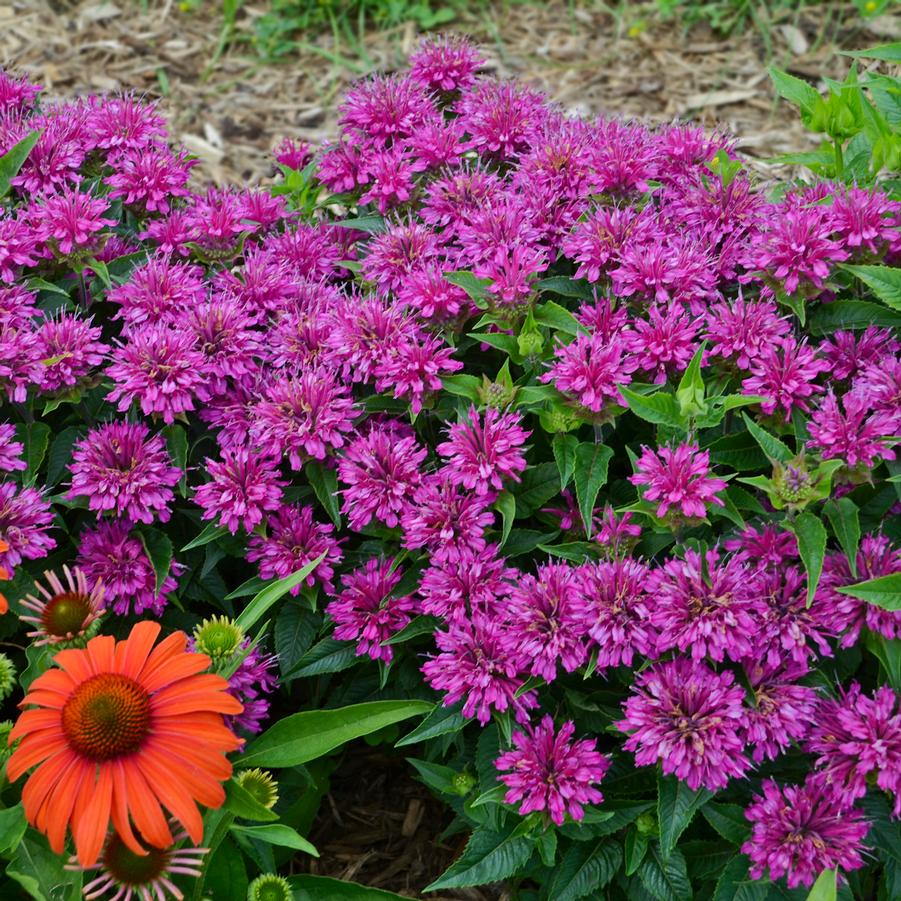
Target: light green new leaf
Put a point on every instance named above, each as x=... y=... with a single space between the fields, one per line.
x=274 y=592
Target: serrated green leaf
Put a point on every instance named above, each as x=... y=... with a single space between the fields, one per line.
x=294 y=632
x=159 y=552
x=585 y=868
x=795 y=90
x=305 y=736
x=660 y=408
x=324 y=483
x=506 y=506
x=462 y=385
x=843 y=517
x=554 y=316
x=276 y=834
x=825 y=888
x=488 y=857
x=676 y=806
x=242 y=804
x=728 y=820
x=326 y=656
x=210 y=532
x=475 y=287
x=811 y=537
x=883 y=281
x=419 y=625
x=884 y=591
x=774 y=448
x=589 y=476
x=373 y=225
x=566 y=287
x=851 y=314
x=564 y=448
x=736 y=885
x=665 y=878
x=14 y=158
x=439 y=722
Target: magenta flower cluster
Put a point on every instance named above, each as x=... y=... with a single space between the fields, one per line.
x=539 y=403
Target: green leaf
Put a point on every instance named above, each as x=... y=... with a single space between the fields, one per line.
x=35 y=438
x=242 y=804
x=488 y=857
x=538 y=485
x=326 y=656
x=507 y=343
x=884 y=592
x=210 y=533
x=225 y=874
x=305 y=736
x=852 y=314
x=552 y=315
x=14 y=158
x=274 y=592
x=584 y=869
x=324 y=888
x=277 y=834
x=728 y=820
x=159 y=552
x=294 y=632
x=12 y=827
x=811 y=537
x=419 y=625
x=736 y=885
x=435 y=775
x=795 y=90
x=845 y=522
x=566 y=287
x=589 y=476
x=439 y=722
x=462 y=385
x=888 y=652
x=177 y=445
x=769 y=444
x=506 y=505
x=374 y=225
x=825 y=888
x=676 y=806
x=660 y=408
x=564 y=448
x=636 y=846
x=883 y=281
x=665 y=879
x=324 y=483
x=606 y=820
x=37 y=869
x=475 y=287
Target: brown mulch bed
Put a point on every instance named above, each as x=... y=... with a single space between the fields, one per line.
x=586 y=58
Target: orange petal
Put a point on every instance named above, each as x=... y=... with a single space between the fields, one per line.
x=132 y=654
x=76 y=662
x=102 y=654
x=145 y=809
x=172 y=670
x=36 y=750
x=42 y=780
x=4 y=603
x=121 y=820
x=56 y=812
x=90 y=819
x=176 y=789
x=34 y=720
x=171 y=646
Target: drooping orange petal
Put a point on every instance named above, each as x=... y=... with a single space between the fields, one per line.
x=39 y=748
x=56 y=812
x=90 y=819
x=121 y=820
x=145 y=809
x=184 y=730
x=42 y=780
x=176 y=789
x=132 y=654
x=215 y=765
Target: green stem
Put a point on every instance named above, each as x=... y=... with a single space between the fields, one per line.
x=839 y=158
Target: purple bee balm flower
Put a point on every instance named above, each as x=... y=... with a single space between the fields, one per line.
x=454 y=198
x=739 y=330
x=17 y=94
x=664 y=270
x=293 y=540
x=217 y=220
x=171 y=235
x=552 y=773
x=616 y=533
x=473 y=583
x=386 y=107
x=125 y=123
x=381 y=471
x=797 y=247
x=591 y=369
x=863 y=219
x=70 y=219
x=392 y=256
x=340 y=166
x=17 y=304
x=445 y=63
x=10 y=449
x=549 y=616
x=474 y=666
x=428 y=293
x=366 y=612
x=800 y=830
x=436 y=145
x=710 y=611
x=664 y=343
x=768 y=547
x=160 y=368
x=622 y=156
x=782 y=712
x=446 y=519
x=689 y=718
x=620 y=611
x=503 y=119
x=293 y=154
x=122 y=471
x=481 y=454
x=848 y=354
x=159 y=291
x=114 y=555
x=70 y=348
x=857 y=435
x=54 y=162
x=250 y=683
x=303 y=417
x=783 y=374
x=20 y=362
x=678 y=478
x=243 y=487
x=227 y=339
x=390 y=174
x=25 y=520
x=18 y=247
x=789 y=627
x=414 y=369
x=857 y=740
x=150 y=178
x=845 y=614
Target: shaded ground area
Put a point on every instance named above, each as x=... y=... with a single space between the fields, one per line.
x=230 y=111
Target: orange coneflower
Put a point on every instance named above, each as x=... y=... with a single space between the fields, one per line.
x=67 y=612
x=121 y=730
